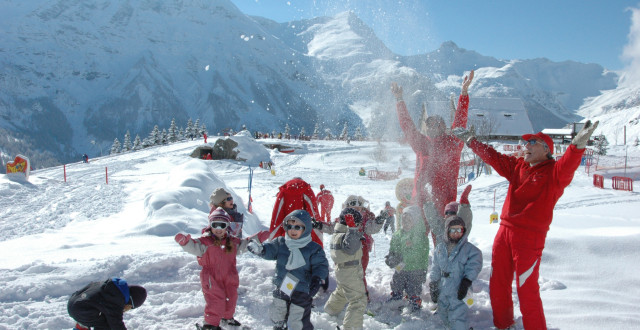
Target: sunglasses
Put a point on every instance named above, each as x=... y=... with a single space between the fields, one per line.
x=533 y=142
x=294 y=227
x=455 y=230
x=450 y=213
x=355 y=203
x=229 y=198
x=219 y=225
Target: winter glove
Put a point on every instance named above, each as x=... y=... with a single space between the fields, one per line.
x=316 y=224
x=393 y=259
x=434 y=291
x=255 y=248
x=315 y=285
x=260 y=236
x=464 y=198
x=465 y=135
x=581 y=139
x=380 y=219
x=464 y=287
x=182 y=239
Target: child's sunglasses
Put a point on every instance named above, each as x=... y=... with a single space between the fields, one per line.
x=219 y=225
x=295 y=227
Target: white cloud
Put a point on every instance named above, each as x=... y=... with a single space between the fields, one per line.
x=631 y=51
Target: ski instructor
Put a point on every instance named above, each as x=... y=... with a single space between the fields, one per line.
x=536 y=182
x=437 y=153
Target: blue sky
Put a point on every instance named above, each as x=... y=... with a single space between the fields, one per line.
x=589 y=31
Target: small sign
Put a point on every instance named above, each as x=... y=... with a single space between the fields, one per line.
x=288 y=284
x=493 y=218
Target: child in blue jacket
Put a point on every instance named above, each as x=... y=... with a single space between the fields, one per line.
x=301 y=266
x=456 y=264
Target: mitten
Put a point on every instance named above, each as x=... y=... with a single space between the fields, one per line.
x=465 y=135
x=182 y=239
x=314 y=286
x=392 y=259
x=581 y=139
x=464 y=287
x=380 y=219
x=464 y=198
x=255 y=248
x=434 y=291
x=316 y=224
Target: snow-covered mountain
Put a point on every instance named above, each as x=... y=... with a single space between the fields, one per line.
x=82 y=71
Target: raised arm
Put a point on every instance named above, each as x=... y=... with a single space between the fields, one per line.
x=462 y=112
x=417 y=140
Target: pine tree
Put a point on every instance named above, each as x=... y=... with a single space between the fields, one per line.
x=188 y=132
x=137 y=143
x=316 y=132
x=155 y=137
x=173 y=131
x=345 y=134
x=302 y=134
x=203 y=130
x=196 y=129
x=115 y=148
x=601 y=145
x=126 y=145
x=328 y=135
x=287 y=131
x=164 y=136
x=358 y=134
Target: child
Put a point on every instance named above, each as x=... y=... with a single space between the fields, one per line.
x=409 y=255
x=222 y=198
x=102 y=304
x=216 y=251
x=456 y=264
x=346 y=252
x=301 y=266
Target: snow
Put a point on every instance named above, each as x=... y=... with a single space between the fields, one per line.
x=57 y=236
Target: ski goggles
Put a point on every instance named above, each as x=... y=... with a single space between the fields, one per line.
x=219 y=225
x=455 y=230
x=294 y=227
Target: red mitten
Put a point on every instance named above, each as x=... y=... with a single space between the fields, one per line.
x=182 y=239
x=464 y=198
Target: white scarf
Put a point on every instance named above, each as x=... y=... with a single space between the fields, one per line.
x=296 y=259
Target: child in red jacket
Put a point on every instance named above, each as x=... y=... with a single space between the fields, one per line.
x=216 y=251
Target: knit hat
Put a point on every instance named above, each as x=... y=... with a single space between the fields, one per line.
x=455 y=220
x=452 y=208
x=218 y=196
x=540 y=136
x=137 y=295
x=321 y=186
x=413 y=211
x=219 y=215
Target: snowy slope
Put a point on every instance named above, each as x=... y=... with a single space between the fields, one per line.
x=58 y=236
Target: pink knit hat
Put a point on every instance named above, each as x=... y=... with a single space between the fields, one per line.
x=219 y=215
x=452 y=207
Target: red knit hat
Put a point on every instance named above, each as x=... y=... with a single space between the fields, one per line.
x=540 y=136
x=219 y=215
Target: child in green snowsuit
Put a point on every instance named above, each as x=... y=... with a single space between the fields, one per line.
x=409 y=256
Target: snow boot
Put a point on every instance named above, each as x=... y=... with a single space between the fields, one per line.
x=211 y=327
x=415 y=303
x=232 y=322
x=395 y=297
x=80 y=327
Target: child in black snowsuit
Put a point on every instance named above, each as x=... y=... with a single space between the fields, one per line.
x=101 y=305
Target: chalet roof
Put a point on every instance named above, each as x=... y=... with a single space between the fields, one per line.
x=490 y=116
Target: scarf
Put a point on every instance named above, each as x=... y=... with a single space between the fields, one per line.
x=296 y=259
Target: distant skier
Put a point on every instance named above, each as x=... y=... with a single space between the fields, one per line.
x=85 y=158
x=390 y=223
x=325 y=201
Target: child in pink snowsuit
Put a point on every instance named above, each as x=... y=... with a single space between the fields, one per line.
x=216 y=251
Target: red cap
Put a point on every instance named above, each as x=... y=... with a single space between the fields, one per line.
x=540 y=136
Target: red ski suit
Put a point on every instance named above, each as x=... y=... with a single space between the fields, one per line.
x=437 y=159
x=325 y=199
x=218 y=277
x=526 y=215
